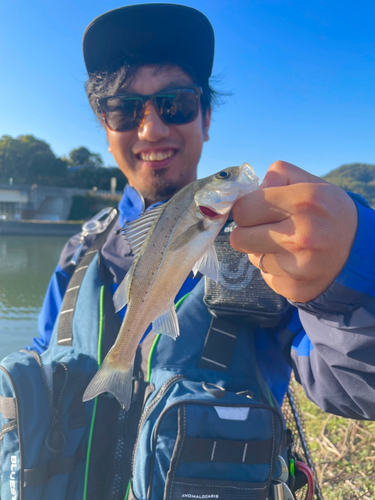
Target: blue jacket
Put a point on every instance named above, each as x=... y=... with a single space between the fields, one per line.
x=329 y=343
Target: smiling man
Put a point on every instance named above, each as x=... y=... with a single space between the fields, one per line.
x=148 y=83
x=159 y=146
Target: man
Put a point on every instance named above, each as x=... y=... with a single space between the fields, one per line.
x=312 y=241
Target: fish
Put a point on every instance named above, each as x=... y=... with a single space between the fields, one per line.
x=168 y=242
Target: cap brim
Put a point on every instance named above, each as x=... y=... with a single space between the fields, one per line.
x=150 y=33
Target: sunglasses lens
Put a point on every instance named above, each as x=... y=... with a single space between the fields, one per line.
x=177 y=106
x=123 y=114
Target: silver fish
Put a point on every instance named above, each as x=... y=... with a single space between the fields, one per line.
x=168 y=242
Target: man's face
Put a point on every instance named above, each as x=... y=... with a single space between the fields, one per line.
x=159 y=159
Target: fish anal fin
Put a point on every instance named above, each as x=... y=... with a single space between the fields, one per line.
x=188 y=235
x=167 y=323
x=117 y=381
x=208 y=265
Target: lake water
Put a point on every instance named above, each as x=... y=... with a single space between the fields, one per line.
x=26 y=265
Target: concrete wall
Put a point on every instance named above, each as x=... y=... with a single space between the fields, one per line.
x=42 y=202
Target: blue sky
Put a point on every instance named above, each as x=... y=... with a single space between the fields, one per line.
x=302 y=75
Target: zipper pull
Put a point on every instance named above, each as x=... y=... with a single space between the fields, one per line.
x=55 y=440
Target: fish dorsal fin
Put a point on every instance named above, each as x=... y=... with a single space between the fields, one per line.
x=208 y=265
x=121 y=295
x=137 y=231
x=167 y=323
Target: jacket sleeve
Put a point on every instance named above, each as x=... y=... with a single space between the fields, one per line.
x=330 y=342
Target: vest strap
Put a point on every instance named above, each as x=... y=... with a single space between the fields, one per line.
x=62 y=465
x=65 y=328
x=220 y=345
x=8 y=407
x=226 y=451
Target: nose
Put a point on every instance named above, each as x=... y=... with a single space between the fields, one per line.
x=152 y=129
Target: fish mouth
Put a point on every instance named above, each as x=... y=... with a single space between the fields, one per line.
x=208 y=212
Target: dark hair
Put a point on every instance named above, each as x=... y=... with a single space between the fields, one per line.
x=104 y=83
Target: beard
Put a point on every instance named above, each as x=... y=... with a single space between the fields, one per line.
x=160 y=189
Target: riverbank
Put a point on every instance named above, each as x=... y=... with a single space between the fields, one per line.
x=39 y=228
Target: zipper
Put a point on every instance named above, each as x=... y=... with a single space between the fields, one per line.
x=146 y=412
x=55 y=439
x=117 y=476
x=20 y=486
x=47 y=387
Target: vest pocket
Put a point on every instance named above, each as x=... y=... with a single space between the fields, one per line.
x=184 y=487
x=199 y=444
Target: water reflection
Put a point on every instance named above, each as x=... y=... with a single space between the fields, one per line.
x=26 y=265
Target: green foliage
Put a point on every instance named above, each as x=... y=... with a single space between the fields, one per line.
x=85 y=207
x=356 y=177
x=83 y=157
x=87 y=178
x=28 y=160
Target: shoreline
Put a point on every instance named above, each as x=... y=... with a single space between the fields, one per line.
x=39 y=228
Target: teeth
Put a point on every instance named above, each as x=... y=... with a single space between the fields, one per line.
x=156 y=156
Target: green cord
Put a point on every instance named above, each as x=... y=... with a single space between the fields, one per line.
x=157 y=337
x=181 y=301
x=100 y=338
x=127 y=491
x=292 y=471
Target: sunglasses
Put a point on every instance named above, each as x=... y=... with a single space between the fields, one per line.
x=175 y=106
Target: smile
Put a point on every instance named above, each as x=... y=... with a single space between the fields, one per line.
x=156 y=155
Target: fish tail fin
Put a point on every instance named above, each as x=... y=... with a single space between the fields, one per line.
x=117 y=381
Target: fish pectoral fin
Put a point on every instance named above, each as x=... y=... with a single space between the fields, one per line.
x=208 y=265
x=167 y=323
x=188 y=235
x=117 y=381
x=120 y=297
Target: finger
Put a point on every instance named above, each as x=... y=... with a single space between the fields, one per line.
x=269 y=238
x=274 y=204
x=282 y=173
x=265 y=206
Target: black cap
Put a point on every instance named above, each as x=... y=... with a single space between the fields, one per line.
x=147 y=34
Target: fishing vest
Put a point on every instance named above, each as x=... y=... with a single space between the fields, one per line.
x=202 y=423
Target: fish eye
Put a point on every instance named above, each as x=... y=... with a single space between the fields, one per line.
x=224 y=174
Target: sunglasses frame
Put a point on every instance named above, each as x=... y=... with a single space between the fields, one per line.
x=150 y=97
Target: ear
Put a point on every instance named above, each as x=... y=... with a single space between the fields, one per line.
x=206 y=124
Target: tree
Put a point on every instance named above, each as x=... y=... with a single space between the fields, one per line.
x=27 y=158
x=84 y=157
x=356 y=177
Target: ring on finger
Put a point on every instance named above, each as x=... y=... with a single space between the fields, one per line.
x=260 y=264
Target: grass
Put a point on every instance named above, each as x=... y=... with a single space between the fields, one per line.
x=343 y=451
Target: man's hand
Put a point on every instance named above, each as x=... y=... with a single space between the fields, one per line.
x=304 y=226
